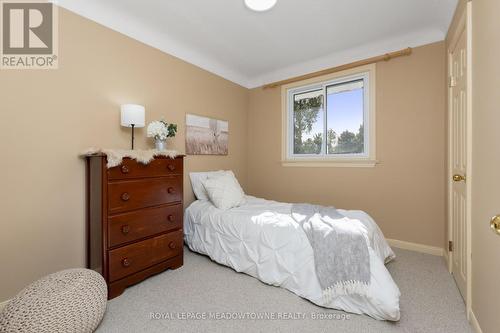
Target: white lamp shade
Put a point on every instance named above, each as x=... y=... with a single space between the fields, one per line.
x=132 y=114
x=260 y=5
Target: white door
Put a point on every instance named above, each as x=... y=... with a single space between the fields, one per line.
x=458 y=202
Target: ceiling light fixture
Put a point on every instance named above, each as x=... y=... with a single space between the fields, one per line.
x=260 y=5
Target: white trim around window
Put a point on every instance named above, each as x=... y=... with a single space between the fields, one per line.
x=365 y=159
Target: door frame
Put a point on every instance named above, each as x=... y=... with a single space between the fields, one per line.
x=464 y=26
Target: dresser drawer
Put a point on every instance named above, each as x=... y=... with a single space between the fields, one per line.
x=134 y=194
x=156 y=168
x=131 y=226
x=133 y=258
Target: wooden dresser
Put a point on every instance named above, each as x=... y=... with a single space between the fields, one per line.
x=134 y=219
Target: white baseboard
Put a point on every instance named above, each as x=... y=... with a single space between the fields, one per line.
x=474 y=322
x=3 y=304
x=435 y=251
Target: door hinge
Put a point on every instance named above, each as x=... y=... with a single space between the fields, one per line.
x=452 y=82
x=450 y=246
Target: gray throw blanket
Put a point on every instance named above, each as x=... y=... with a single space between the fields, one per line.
x=341 y=256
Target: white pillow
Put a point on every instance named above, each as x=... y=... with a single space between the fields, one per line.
x=197 y=179
x=224 y=190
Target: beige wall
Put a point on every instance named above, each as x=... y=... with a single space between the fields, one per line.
x=485 y=162
x=405 y=193
x=48 y=117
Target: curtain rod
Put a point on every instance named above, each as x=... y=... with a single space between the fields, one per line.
x=384 y=57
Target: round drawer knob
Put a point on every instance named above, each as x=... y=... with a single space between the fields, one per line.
x=125 y=169
x=125 y=229
x=171 y=245
x=125 y=196
x=171 y=190
x=171 y=218
x=125 y=262
x=171 y=167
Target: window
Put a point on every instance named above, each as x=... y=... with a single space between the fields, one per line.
x=331 y=120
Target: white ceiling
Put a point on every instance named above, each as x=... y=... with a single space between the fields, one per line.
x=293 y=38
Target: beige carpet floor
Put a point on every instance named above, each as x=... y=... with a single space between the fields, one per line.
x=430 y=302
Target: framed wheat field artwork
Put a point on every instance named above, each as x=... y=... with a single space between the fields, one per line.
x=206 y=136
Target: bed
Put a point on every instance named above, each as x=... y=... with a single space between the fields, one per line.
x=260 y=238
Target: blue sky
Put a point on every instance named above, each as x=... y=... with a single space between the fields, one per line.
x=345 y=112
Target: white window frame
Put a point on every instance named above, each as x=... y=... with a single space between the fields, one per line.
x=365 y=159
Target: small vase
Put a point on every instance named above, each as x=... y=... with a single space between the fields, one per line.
x=161 y=144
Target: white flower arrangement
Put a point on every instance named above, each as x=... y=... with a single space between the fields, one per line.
x=160 y=130
x=157 y=130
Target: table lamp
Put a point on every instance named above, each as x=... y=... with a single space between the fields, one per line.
x=132 y=115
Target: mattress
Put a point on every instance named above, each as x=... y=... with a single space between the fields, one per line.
x=261 y=239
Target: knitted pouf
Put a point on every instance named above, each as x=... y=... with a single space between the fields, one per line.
x=72 y=300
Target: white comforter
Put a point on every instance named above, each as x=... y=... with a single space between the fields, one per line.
x=261 y=239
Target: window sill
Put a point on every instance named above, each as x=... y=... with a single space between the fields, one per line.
x=351 y=163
